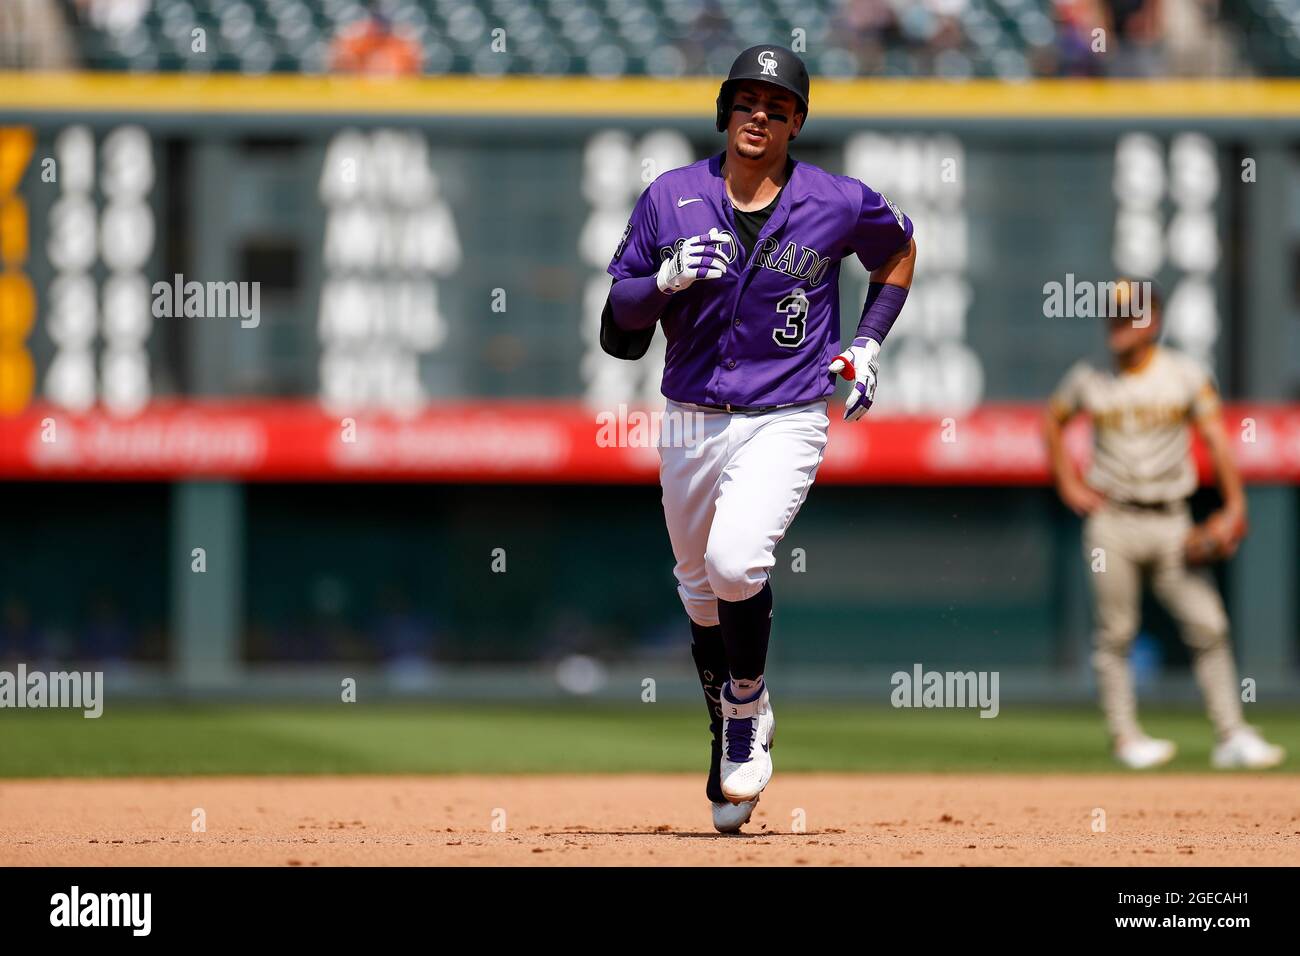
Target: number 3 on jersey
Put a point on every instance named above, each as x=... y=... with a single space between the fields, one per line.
x=795 y=309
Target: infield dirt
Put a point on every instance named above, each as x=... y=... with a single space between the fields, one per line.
x=1193 y=820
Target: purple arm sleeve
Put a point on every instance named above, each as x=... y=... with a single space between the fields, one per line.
x=884 y=302
x=636 y=303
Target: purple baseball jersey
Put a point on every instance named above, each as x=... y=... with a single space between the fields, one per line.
x=763 y=333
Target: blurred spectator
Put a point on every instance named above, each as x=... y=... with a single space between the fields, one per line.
x=33 y=35
x=1193 y=45
x=371 y=45
x=707 y=39
x=1076 y=23
x=867 y=28
x=946 y=38
x=866 y=18
x=1136 y=38
x=1135 y=21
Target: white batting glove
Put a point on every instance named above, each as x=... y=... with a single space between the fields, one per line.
x=698 y=258
x=858 y=364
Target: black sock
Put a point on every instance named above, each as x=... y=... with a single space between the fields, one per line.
x=746 y=628
x=711 y=666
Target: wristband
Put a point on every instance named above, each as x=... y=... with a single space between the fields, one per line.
x=883 y=305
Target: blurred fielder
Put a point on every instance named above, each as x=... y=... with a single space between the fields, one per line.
x=738 y=258
x=1138 y=527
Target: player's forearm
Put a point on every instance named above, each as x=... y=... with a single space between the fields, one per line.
x=1229 y=478
x=1058 y=461
x=886 y=295
x=883 y=306
x=636 y=303
x=1226 y=474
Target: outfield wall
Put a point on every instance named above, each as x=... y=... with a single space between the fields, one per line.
x=517 y=190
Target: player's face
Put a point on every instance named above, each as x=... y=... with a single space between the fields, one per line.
x=1126 y=334
x=763 y=120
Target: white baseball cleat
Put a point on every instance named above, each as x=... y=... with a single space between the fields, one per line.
x=747 y=732
x=730 y=817
x=1143 y=753
x=1246 y=749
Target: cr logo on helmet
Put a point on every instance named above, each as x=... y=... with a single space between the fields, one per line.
x=770 y=64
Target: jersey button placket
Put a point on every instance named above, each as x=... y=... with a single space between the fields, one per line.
x=728 y=208
x=730 y=364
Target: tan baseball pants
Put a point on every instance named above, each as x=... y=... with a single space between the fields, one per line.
x=1125 y=548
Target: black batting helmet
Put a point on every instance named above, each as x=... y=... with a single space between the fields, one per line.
x=770 y=64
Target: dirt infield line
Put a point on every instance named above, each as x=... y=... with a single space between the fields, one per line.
x=653 y=820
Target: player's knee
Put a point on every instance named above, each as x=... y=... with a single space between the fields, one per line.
x=1108 y=660
x=1208 y=634
x=733 y=576
x=701 y=606
x=1113 y=639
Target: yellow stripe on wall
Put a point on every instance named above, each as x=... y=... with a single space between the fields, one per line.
x=584 y=96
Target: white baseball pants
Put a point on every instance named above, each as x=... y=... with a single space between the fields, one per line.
x=732 y=484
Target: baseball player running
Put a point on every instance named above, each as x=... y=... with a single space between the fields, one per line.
x=1138 y=526
x=737 y=257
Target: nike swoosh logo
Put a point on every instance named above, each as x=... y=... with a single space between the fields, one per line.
x=686 y=202
x=765 y=747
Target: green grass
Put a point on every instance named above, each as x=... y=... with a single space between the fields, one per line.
x=356 y=739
